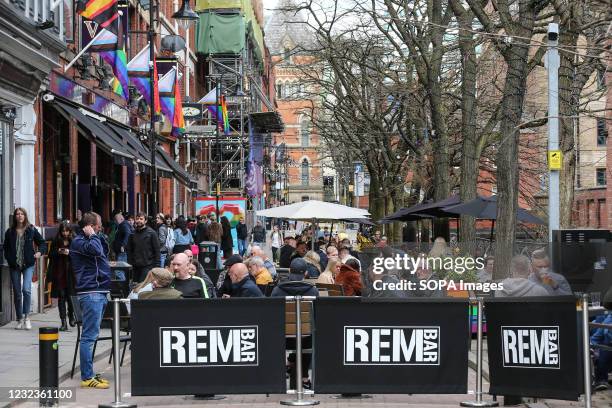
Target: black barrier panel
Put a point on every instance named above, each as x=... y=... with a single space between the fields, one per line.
x=216 y=346
x=533 y=347
x=391 y=346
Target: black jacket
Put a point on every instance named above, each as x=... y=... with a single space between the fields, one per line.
x=294 y=288
x=201 y=232
x=241 y=231
x=31 y=236
x=246 y=288
x=227 y=242
x=57 y=260
x=259 y=233
x=124 y=230
x=143 y=248
x=284 y=260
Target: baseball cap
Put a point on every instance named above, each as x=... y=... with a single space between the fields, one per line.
x=298 y=266
x=232 y=260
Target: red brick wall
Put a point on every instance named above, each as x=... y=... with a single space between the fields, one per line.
x=590 y=209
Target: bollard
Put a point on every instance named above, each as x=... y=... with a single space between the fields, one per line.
x=48 y=367
x=479 y=402
x=586 y=350
x=117 y=403
x=299 y=401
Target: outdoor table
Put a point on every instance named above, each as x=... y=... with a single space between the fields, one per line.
x=121 y=266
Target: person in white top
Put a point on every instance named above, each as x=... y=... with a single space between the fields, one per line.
x=276 y=238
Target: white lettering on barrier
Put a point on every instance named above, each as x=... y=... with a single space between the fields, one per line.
x=209 y=346
x=391 y=345
x=531 y=346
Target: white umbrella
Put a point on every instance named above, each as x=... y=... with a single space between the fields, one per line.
x=313 y=210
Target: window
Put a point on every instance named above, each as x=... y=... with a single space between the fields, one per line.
x=305 y=198
x=600 y=177
x=602 y=132
x=287 y=55
x=305 y=131
x=279 y=90
x=601 y=79
x=305 y=172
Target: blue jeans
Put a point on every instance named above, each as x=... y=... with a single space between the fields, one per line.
x=162 y=259
x=119 y=274
x=22 y=292
x=603 y=366
x=92 y=307
x=242 y=246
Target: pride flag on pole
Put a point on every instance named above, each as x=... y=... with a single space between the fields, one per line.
x=138 y=72
x=111 y=48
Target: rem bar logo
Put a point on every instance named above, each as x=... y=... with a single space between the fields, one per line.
x=531 y=346
x=208 y=346
x=391 y=345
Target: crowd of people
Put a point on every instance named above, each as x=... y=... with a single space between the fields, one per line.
x=162 y=253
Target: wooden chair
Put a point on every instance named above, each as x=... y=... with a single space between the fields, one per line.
x=332 y=289
x=290 y=323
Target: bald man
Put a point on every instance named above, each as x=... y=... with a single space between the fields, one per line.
x=242 y=284
x=256 y=250
x=189 y=286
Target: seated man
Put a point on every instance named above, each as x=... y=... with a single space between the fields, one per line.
x=162 y=278
x=242 y=284
x=224 y=283
x=295 y=285
x=554 y=283
x=258 y=270
x=286 y=251
x=603 y=360
x=519 y=285
x=189 y=286
x=256 y=250
x=300 y=251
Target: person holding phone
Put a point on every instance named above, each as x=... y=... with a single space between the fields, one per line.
x=60 y=274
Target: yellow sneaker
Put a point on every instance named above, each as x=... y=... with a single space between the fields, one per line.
x=101 y=379
x=94 y=383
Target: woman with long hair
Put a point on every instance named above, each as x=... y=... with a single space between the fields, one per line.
x=227 y=242
x=23 y=245
x=60 y=273
x=329 y=274
x=183 y=239
x=215 y=232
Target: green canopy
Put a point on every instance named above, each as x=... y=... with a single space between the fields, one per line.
x=220 y=33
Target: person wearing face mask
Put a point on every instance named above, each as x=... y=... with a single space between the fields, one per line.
x=143 y=248
x=554 y=283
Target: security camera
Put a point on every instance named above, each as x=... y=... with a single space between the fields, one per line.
x=48 y=97
x=553 y=32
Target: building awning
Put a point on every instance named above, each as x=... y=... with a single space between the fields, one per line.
x=179 y=172
x=267 y=122
x=120 y=142
x=99 y=132
x=141 y=152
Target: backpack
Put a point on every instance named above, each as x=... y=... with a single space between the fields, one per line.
x=170 y=239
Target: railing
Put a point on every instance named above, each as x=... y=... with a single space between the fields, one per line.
x=40 y=11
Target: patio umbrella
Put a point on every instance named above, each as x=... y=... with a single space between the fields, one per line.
x=485 y=208
x=405 y=214
x=438 y=208
x=364 y=221
x=314 y=210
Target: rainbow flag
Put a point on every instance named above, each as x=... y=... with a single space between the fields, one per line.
x=103 y=12
x=111 y=48
x=138 y=73
x=178 y=124
x=220 y=112
x=167 y=96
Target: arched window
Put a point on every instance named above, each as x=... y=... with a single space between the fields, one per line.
x=279 y=90
x=285 y=90
x=305 y=172
x=305 y=131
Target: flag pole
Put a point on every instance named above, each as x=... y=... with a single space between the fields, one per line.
x=71 y=63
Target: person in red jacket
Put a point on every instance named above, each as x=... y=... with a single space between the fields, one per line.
x=350 y=278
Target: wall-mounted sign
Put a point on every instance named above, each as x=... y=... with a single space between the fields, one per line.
x=193 y=111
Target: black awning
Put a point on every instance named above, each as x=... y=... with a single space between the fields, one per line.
x=267 y=122
x=141 y=151
x=180 y=173
x=100 y=133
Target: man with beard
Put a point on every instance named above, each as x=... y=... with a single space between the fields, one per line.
x=142 y=248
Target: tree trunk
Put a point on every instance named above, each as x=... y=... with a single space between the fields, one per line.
x=568 y=111
x=507 y=157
